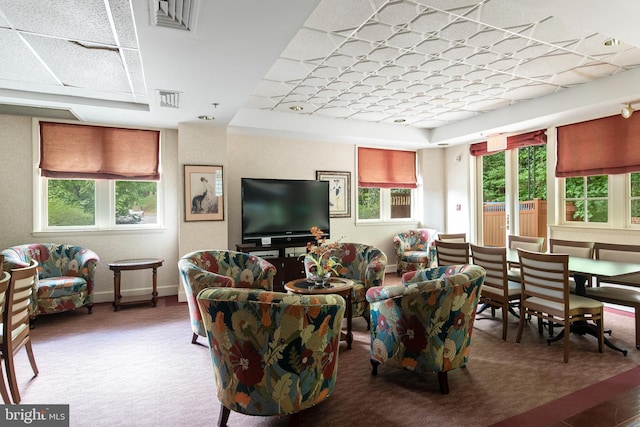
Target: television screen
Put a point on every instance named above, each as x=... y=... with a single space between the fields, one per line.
x=283 y=210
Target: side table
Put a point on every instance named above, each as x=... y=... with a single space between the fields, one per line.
x=339 y=286
x=134 y=264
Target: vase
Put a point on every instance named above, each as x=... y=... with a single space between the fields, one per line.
x=319 y=281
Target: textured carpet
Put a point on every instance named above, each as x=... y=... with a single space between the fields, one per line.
x=137 y=367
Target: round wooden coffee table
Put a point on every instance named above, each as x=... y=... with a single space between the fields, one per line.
x=338 y=286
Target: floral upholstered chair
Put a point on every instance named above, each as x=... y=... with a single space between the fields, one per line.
x=65 y=275
x=425 y=323
x=363 y=264
x=273 y=353
x=224 y=269
x=415 y=249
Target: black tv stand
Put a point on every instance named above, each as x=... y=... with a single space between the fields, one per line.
x=289 y=265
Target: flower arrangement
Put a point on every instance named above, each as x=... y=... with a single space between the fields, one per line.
x=320 y=256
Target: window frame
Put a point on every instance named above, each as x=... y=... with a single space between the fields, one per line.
x=385 y=207
x=586 y=199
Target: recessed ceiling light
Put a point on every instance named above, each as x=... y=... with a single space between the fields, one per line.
x=443 y=144
x=296 y=108
x=399 y=121
x=612 y=42
x=206 y=117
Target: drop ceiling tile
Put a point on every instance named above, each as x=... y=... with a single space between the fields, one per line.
x=381 y=93
x=503 y=64
x=486 y=38
x=385 y=54
x=458 y=52
x=550 y=64
x=366 y=66
x=481 y=58
x=627 y=58
x=460 y=30
x=325 y=74
x=553 y=30
x=309 y=44
x=81 y=74
x=397 y=13
x=391 y=71
x=124 y=23
x=287 y=70
x=61 y=18
x=375 y=81
x=457 y=70
x=375 y=32
x=134 y=69
x=340 y=61
x=410 y=60
x=356 y=48
x=336 y=15
x=269 y=88
x=432 y=46
x=430 y=22
x=417 y=88
x=435 y=65
x=404 y=40
x=514 y=44
x=19 y=63
x=509 y=14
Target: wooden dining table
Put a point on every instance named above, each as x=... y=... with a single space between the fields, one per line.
x=581 y=269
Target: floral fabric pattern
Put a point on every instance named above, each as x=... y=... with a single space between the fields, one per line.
x=65 y=275
x=218 y=268
x=425 y=324
x=364 y=265
x=272 y=353
x=415 y=249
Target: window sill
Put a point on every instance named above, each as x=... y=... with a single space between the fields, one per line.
x=97 y=232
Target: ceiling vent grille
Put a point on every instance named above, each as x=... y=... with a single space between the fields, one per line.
x=173 y=13
x=169 y=98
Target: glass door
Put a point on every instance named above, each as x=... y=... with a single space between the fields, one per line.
x=513 y=193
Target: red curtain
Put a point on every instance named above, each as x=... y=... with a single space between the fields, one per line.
x=96 y=152
x=610 y=145
x=386 y=168
x=537 y=137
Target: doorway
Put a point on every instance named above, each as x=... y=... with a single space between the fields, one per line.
x=513 y=188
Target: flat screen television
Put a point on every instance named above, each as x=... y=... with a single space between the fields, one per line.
x=276 y=211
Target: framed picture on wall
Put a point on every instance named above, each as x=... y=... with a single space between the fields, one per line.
x=203 y=198
x=339 y=192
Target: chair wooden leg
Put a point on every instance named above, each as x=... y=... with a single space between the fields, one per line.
x=443 y=381
x=11 y=378
x=565 y=340
x=3 y=389
x=521 y=325
x=224 y=416
x=32 y=359
x=374 y=367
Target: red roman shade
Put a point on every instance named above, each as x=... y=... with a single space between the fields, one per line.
x=381 y=168
x=537 y=137
x=96 y=152
x=610 y=145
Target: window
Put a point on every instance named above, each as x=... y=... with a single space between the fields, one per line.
x=93 y=177
x=587 y=199
x=386 y=184
x=634 y=198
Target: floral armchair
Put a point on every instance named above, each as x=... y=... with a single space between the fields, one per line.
x=272 y=353
x=363 y=264
x=219 y=268
x=425 y=323
x=65 y=275
x=415 y=249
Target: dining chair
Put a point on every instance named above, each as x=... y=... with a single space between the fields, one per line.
x=452 y=253
x=545 y=294
x=574 y=248
x=4 y=284
x=497 y=291
x=452 y=237
x=529 y=243
x=15 y=323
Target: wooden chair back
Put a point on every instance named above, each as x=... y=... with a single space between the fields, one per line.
x=621 y=253
x=4 y=285
x=452 y=237
x=15 y=322
x=533 y=244
x=452 y=253
x=572 y=248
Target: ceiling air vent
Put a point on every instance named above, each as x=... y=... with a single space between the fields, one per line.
x=169 y=98
x=173 y=13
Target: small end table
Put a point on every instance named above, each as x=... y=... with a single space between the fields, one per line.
x=134 y=264
x=339 y=286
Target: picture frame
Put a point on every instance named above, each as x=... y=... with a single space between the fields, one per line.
x=199 y=182
x=339 y=192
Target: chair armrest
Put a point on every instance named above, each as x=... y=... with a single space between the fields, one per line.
x=375 y=270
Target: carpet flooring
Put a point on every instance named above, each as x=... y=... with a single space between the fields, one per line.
x=137 y=367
